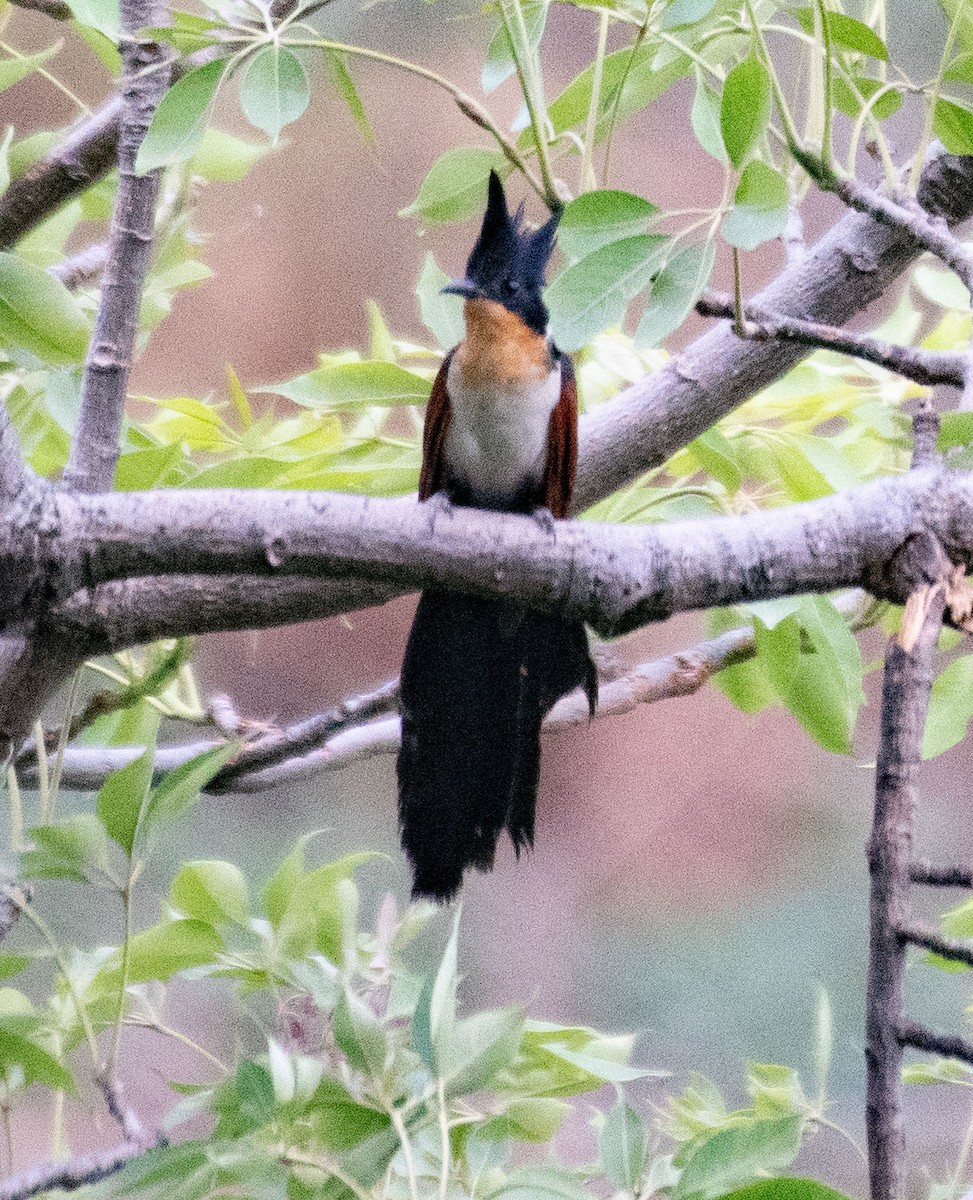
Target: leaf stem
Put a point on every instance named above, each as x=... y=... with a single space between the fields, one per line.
x=111 y=1066
x=527 y=75
x=588 y=180
x=410 y=1163
x=444 y=1132
x=17 y=843
x=933 y=99
x=466 y=103
x=45 y=931
x=63 y=737
x=43 y=775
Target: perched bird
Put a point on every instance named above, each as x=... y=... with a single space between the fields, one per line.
x=480 y=675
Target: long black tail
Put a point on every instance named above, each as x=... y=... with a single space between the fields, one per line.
x=477 y=680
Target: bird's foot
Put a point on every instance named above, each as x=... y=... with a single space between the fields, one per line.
x=546 y=520
x=438 y=505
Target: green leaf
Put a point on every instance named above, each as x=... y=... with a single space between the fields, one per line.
x=500 y=63
x=602 y=1068
x=953 y=125
x=360 y=1035
x=785 y=1189
x=179 y=122
x=245 y=1103
x=705 y=118
x=274 y=90
x=121 y=799
x=140 y=470
x=163 y=950
x=716 y=455
x=759 y=210
x=536 y=1119
x=223 y=158
x=441 y=315
x=98 y=14
x=477 y=1048
x=942 y=1070
x=18 y=1049
x=950 y=707
x=745 y=109
x=622 y=1147
x=733 y=1156
x=188 y=32
x=38 y=313
x=12 y=70
x=179 y=789
x=955 y=429
x=456 y=185
x=675 y=291
x=345 y=87
x=821 y=687
x=631 y=79
x=686 y=12
x=596 y=218
x=850 y=100
x=846 y=32
x=211 y=891
x=75 y=848
x=593 y=293
x=356 y=385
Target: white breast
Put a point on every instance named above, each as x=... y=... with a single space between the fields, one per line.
x=497 y=439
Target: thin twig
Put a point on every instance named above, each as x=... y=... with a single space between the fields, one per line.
x=938 y=875
x=918 y=1037
x=933 y=941
x=926 y=367
x=78 y=1172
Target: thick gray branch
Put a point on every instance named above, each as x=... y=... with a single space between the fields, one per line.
x=615 y=577
x=145 y=77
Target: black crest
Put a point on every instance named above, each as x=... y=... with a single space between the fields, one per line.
x=508 y=261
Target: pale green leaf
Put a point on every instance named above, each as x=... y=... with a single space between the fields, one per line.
x=456 y=185
x=675 y=291
x=745 y=109
x=593 y=293
x=38 y=313
x=179 y=122
x=596 y=218
x=274 y=89
x=211 y=891
x=441 y=315
x=759 y=210
x=121 y=799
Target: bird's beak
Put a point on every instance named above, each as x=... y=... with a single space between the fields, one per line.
x=461 y=287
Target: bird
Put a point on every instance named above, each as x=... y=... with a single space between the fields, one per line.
x=480 y=674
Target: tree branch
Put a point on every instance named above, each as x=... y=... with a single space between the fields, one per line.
x=926 y=367
x=905 y=697
x=850 y=266
x=615 y=577
x=145 y=78
x=937 y=875
x=86 y=154
x=324 y=743
x=78 y=1172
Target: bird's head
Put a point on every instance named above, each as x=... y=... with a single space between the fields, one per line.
x=508 y=262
